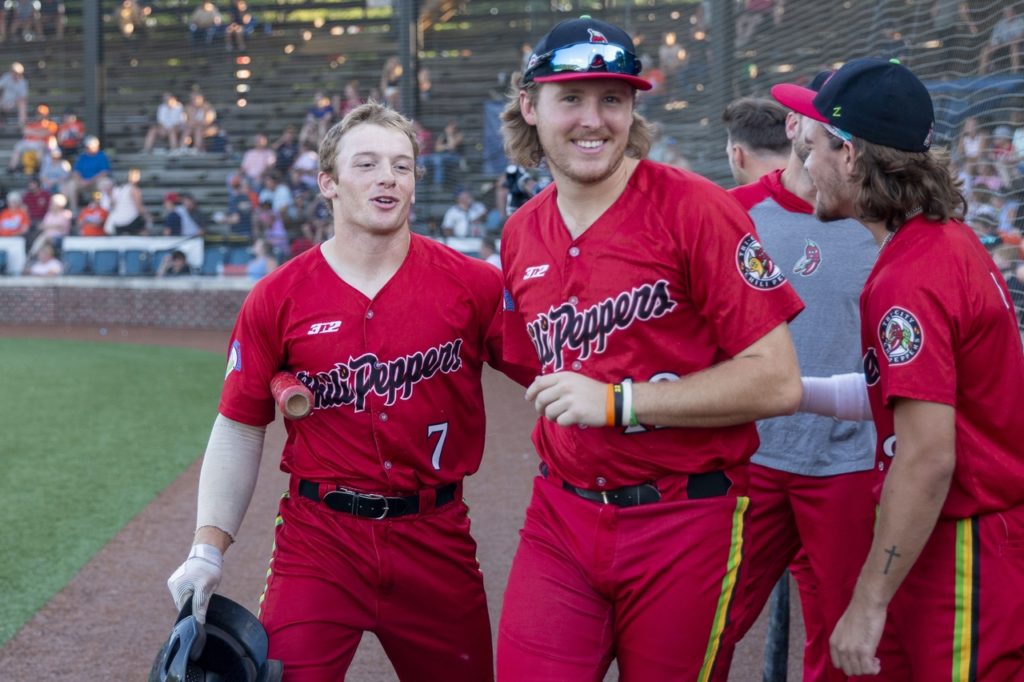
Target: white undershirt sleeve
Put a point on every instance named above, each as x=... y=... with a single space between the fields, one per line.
x=843 y=396
x=228 y=477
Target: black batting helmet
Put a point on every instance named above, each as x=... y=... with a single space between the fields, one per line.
x=230 y=647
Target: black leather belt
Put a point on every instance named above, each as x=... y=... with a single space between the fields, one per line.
x=698 y=486
x=372 y=506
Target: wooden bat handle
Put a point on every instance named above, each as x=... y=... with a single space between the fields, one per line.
x=294 y=399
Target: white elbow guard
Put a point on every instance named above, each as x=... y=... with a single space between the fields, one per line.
x=843 y=396
x=228 y=477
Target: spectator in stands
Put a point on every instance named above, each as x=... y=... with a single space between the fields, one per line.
x=53 y=16
x=174 y=264
x=37 y=136
x=14 y=219
x=170 y=223
x=1008 y=34
x=890 y=43
x=986 y=175
x=318 y=120
x=286 y=150
x=1003 y=155
x=46 y=263
x=55 y=224
x=971 y=145
x=200 y=119
x=238 y=216
x=93 y=218
x=304 y=170
x=489 y=252
x=447 y=153
x=90 y=166
x=277 y=192
x=205 y=23
x=170 y=124
x=3 y=22
x=350 y=101
x=257 y=160
x=424 y=84
x=36 y=200
x=70 y=134
x=756 y=141
x=671 y=57
x=390 y=78
x=26 y=19
x=193 y=219
x=55 y=172
x=128 y=214
x=241 y=24
x=14 y=92
x=308 y=238
x=463 y=218
x=262 y=262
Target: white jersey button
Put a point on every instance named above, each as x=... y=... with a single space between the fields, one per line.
x=574 y=251
x=577 y=365
x=601 y=482
x=369 y=314
x=383 y=416
x=387 y=464
x=573 y=300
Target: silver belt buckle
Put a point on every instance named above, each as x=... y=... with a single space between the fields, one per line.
x=375 y=496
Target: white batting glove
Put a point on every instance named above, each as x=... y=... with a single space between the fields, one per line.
x=196 y=579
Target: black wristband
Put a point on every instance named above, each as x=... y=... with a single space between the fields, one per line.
x=617 y=391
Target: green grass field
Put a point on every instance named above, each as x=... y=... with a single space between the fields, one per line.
x=91 y=433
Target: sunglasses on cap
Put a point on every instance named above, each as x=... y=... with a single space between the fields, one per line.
x=583 y=58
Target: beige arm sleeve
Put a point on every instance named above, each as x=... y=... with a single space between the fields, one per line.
x=228 y=477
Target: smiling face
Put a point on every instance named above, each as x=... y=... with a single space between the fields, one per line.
x=583 y=126
x=376 y=180
x=829 y=170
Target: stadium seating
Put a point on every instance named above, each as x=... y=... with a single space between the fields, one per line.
x=75 y=262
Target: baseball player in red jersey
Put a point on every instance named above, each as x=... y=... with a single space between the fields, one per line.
x=811 y=479
x=389 y=331
x=941 y=594
x=660 y=324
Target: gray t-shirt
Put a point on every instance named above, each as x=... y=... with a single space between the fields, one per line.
x=827 y=264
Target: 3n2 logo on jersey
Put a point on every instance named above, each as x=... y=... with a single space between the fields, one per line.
x=324 y=327
x=535 y=271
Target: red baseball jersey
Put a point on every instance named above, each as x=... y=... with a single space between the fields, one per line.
x=395 y=379
x=670 y=280
x=937 y=325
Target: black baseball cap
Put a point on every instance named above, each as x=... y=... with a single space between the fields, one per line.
x=583 y=48
x=876 y=100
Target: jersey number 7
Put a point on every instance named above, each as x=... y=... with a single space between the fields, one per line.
x=441 y=429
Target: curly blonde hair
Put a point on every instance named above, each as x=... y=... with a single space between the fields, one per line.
x=522 y=143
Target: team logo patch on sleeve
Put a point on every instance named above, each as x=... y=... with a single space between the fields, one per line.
x=901 y=336
x=756 y=266
x=234 y=359
x=872 y=373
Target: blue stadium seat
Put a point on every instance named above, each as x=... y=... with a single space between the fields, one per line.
x=137 y=263
x=3 y=262
x=106 y=262
x=158 y=258
x=238 y=255
x=75 y=262
x=213 y=260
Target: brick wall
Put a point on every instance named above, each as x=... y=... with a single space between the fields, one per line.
x=191 y=304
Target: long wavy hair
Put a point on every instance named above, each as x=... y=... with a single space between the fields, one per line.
x=893 y=185
x=522 y=143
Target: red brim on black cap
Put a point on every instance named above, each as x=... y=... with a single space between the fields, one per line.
x=635 y=81
x=797 y=98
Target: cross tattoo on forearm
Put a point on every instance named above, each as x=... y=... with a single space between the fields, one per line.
x=892 y=555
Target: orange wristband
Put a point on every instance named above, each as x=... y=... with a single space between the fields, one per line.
x=609 y=406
